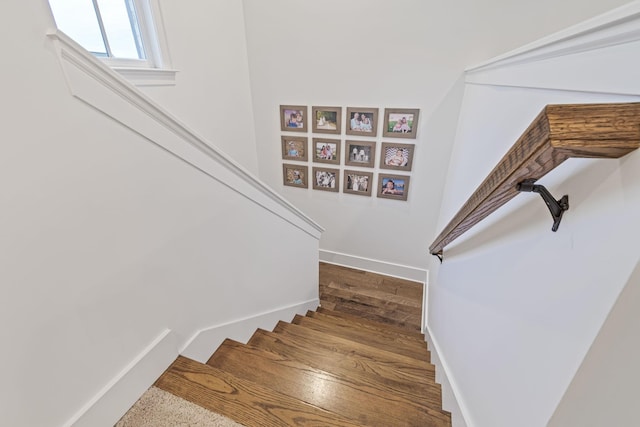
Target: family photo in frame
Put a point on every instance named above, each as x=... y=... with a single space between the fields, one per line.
x=400 y=122
x=293 y=118
x=360 y=153
x=362 y=121
x=396 y=156
x=327 y=119
x=294 y=148
x=295 y=175
x=358 y=182
x=393 y=186
x=326 y=179
x=326 y=150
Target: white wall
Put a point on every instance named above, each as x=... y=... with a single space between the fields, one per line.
x=112 y=246
x=605 y=389
x=515 y=307
x=207 y=45
x=378 y=53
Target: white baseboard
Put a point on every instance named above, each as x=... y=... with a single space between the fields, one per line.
x=115 y=399
x=204 y=343
x=374 y=266
x=451 y=397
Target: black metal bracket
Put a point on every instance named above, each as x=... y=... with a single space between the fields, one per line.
x=438 y=255
x=556 y=207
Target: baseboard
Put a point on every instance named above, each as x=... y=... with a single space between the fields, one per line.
x=374 y=266
x=115 y=399
x=452 y=400
x=204 y=342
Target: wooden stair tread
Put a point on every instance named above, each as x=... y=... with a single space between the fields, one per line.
x=377 y=293
x=372 y=328
x=406 y=365
x=416 y=335
x=379 y=300
x=378 y=310
x=361 y=370
x=369 y=405
x=243 y=401
x=358 y=279
x=362 y=337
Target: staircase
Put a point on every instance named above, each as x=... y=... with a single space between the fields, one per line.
x=359 y=359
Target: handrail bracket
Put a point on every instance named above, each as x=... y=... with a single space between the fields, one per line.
x=556 y=207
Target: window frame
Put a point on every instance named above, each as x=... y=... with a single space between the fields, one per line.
x=156 y=68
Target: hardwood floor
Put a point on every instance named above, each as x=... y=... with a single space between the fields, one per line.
x=358 y=360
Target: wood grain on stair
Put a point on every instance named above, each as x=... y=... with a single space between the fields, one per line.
x=369 y=404
x=372 y=296
x=365 y=371
x=243 y=401
x=391 y=336
x=358 y=279
x=360 y=320
x=315 y=339
x=364 y=338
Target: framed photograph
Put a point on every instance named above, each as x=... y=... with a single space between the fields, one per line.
x=295 y=175
x=396 y=156
x=362 y=121
x=326 y=179
x=400 y=122
x=360 y=153
x=326 y=151
x=295 y=148
x=293 y=118
x=393 y=186
x=327 y=119
x=357 y=182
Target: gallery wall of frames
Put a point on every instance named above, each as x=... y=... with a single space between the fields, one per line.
x=336 y=153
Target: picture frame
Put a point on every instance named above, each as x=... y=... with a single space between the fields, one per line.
x=293 y=118
x=357 y=182
x=326 y=119
x=360 y=153
x=355 y=114
x=295 y=148
x=396 y=156
x=295 y=175
x=393 y=186
x=326 y=150
x=326 y=179
x=400 y=122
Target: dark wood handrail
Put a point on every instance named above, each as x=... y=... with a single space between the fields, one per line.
x=557 y=134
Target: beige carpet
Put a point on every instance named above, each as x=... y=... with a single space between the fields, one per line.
x=157 y=408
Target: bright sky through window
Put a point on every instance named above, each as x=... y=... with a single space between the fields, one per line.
x=107 y=28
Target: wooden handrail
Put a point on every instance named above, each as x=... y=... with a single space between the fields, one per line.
x=557 y=134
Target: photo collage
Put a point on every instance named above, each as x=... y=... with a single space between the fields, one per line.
x=345 y=159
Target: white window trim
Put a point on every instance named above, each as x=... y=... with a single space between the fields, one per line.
x=156 y=70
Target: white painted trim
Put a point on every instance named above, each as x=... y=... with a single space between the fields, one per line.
x=620 y=25
x=375 y=266
x=442 y=368
x=99 y=86
x=148 y=76
x=202 y=345
x=119 y=394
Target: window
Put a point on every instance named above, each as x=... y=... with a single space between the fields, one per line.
x=122 y=33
